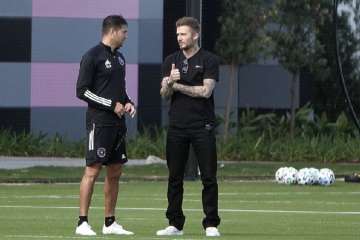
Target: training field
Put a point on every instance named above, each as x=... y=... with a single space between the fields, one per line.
x=249 y=210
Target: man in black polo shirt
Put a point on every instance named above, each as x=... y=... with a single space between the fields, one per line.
x=189 y=77
x=101 y=83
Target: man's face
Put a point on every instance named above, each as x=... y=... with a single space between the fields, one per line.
x=186 y=37
x=119 y=35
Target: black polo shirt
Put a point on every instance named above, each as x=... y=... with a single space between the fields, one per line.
x=101 y=83
x=186 y=111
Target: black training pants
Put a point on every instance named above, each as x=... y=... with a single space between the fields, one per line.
x=177 y=152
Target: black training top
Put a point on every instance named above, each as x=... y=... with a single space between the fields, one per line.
x=186 y=111
x=101 y=83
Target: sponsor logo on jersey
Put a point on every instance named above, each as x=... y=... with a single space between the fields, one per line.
x=107 y=64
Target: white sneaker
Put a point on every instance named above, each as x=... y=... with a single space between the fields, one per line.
x=169 y=231
x=85 y=230
x=212 y=232
x=115 y=229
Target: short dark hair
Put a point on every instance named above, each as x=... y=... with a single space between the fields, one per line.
x=113 y=21
x=190 y=22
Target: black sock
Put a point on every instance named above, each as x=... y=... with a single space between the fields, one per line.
x=82 y=219
x=109 y=220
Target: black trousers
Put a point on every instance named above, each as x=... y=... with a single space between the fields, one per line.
x=177 y=152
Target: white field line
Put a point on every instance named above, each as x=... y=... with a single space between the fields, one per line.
x=188 y=194
x=78 y=237
x=51 y=218
x=275 y=193
x=312 y=202
x=40 y=197
x=49 y=237
x=193 y=210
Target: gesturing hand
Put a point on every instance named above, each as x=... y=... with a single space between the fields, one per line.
x=129 y=108
x=174 y=74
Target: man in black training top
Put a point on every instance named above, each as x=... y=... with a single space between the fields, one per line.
x=101 y=84
x=189 y=77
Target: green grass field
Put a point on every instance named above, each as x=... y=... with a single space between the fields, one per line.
x=249 y=210
x=226 y=171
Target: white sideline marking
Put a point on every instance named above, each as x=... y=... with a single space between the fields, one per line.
x=190 y=210
x=185 y=200
x=77 y=237
x=47 y=237
x=140 y=197
x=39 y=196
x=273 y=193
x=198 y=200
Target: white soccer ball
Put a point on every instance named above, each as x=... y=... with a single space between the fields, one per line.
x=326 y=177
x=315 y=173
x=304 y=176
x=279 y=175
x=290 y=176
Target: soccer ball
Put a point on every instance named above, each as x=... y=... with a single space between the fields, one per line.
x=326 y=177
x=314 y=175
x=279 y=175
x=290 y=176
x=304 y=176
x=286 y=175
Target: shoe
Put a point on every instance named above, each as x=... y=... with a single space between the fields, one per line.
x=355 y=177
x=115 y=229
x=169 y=231
x=212 y=232
x=85 y=230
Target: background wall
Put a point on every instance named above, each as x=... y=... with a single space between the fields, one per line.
x=41 y=45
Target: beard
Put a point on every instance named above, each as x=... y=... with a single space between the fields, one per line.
x=186 y=46
x=119 y=43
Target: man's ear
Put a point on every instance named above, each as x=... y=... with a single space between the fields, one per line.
x=196 y=35
x=112 y=30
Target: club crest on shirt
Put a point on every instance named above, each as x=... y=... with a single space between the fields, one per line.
x=107 y=64
x=121 y=61
x=101 y=152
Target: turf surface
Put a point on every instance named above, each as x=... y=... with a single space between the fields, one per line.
x=226 y=171
x=249 y=210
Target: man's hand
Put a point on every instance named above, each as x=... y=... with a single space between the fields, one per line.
x=174 y=75
x=165 y=91
x=130 y=109
x=119 y=109
x=166 y=84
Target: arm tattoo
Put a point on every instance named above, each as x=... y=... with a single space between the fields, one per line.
x=166 y=91
x=203 y=91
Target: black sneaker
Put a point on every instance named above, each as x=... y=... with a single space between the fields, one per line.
x=355 y=177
